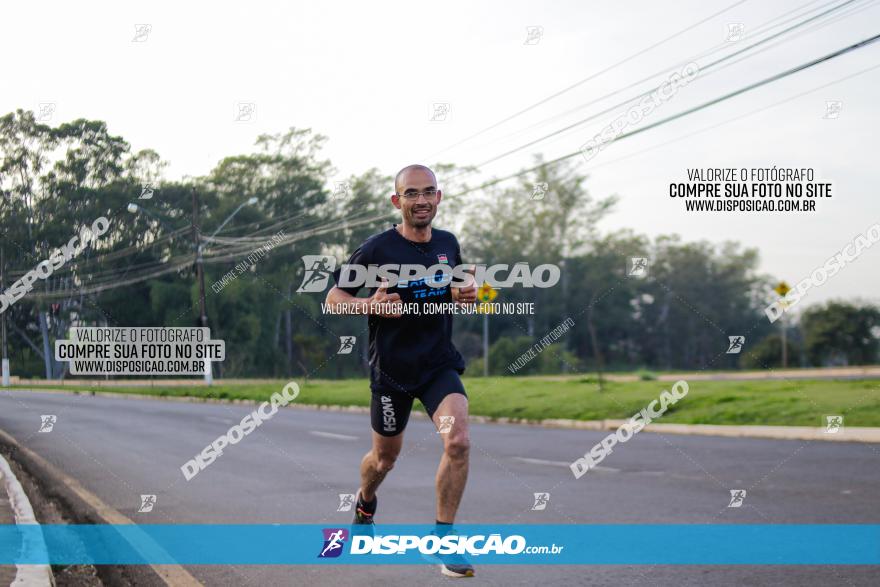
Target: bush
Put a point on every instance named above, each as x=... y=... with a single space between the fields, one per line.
x=504 y=354
x=768 y=353
x=646 y=375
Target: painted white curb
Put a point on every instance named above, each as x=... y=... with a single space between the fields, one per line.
x=30 y=575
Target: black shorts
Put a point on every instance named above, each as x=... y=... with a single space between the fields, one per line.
x=389 y=409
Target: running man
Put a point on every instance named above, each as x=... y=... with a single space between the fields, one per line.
x=412 y=356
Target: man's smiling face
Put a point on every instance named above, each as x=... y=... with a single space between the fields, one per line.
x=417 y=196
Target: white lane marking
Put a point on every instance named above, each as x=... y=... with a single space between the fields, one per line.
x=24 y=514
x=221 y=420
x=332 y=435
x=562 y=464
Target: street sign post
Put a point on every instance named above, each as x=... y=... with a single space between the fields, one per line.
x=486 y=294
x=782 y=288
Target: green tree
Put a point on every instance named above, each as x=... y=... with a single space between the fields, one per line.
x=841 y=333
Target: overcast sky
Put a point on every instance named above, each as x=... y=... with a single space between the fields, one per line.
x=368 y=74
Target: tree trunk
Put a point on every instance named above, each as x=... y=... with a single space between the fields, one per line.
x=288 y=333
x=594 y=341
x=47 y=357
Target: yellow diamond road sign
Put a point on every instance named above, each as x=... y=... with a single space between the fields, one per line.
x=486 y=293
x=782 y=288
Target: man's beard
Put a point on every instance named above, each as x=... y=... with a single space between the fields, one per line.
x=421 y=221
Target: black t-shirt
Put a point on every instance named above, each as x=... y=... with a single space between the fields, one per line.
x=406 y=352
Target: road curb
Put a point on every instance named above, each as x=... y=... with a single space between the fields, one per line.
x=88 y=506
x=23 y=513
x=862 y=434
x=844 y=434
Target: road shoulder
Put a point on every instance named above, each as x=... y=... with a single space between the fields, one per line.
x=862 y=434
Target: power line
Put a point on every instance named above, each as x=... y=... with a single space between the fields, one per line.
x=757 y=32
x=736 y=118
x=112 y=280
x=852 y=10
x=591 y=76
x=771 y=79
x=649 y=92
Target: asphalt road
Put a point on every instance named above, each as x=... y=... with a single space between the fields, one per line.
x=292 y=468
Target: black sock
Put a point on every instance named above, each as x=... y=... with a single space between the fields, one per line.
x=367 y=506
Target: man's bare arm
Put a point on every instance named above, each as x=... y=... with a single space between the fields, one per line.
x=337 y=298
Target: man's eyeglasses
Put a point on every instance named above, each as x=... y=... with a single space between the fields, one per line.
x=429 y=194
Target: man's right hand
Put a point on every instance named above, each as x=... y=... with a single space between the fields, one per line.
x=385 y=299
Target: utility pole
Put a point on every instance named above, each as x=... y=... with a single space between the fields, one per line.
x=485 y=294
x=485 y=344
x=3 y=319
x=200 y=275
x=782 y=290
x=784 y=342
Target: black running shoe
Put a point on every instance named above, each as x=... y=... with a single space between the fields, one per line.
x=363 y=516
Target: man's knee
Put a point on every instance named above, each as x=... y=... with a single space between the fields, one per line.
x=385 y=461
x=458 y=446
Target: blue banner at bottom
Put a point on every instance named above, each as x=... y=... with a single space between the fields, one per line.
x=558 y=544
